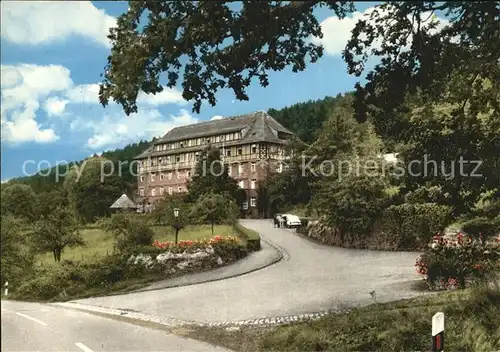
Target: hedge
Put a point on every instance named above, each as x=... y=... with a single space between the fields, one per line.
x=250 y=237
x=412 y=225
x=481 y=225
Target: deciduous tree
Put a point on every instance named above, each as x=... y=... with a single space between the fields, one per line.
x=208 y=45
x=57 y=231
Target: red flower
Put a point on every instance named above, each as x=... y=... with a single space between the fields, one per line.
x=477 y=267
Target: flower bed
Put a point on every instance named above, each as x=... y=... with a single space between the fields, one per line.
x=170 y=258
x=452 y=262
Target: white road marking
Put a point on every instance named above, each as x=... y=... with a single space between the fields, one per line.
x=31 y=318
x=83 y=347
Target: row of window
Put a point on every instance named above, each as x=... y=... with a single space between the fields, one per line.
x=169 y=176
x=253 y=168
x=194 y=156
x=253 y=203
x=199 y=141
x=161 y=191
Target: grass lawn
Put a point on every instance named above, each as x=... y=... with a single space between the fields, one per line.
x=99 y=242
x=472 y=323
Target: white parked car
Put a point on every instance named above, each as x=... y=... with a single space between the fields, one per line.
x=292 y=220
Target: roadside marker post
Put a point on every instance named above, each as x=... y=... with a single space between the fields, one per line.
x=438 y=332
x=6 y=291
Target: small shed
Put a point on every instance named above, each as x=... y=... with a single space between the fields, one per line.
x=124 y=203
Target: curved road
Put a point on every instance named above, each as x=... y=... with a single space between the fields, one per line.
x=310 y=278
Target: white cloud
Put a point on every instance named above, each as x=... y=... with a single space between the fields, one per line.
x=166 y=96
x=117 y=129
x=217 y=117
x=42 y=22
x=55 y=106
x=25 y=86
x=337 y=32
x=84 y=93
x=89 y=94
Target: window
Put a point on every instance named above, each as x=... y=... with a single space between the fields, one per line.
x=161 y=190
x=240 y=151
x=252 y=167
x=177 y=158
x=241 y=184
x=164 y=147
x=244 y=205
x=188 y=174
x=229 y=169
x=153 y=177
x=179 y=189
x=228 y=152
x=170 y=190
x=142 y=178
x=208 y=140
x=240 y=169
x=159 y=160
x=178 y=175
x=253 y=202
x=217 y=139
x=253 y=184
x=254 y=149
x=141 y=192
x=153 y=192
x=168 y=159
x=169 y=176
x=182 y=144
x=161 y=176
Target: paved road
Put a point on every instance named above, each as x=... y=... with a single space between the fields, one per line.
x=311 y=278
x=38 y=327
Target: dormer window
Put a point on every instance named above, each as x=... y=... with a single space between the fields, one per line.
x=254 y=149
x=182 y=144
x=208 y=140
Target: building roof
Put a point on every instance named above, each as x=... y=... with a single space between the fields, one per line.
x=124 y=202
x=255 y=127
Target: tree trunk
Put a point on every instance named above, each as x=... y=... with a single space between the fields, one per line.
x=212 y=228
x=55 y=256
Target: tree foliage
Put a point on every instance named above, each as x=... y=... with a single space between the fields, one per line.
x=211 y=176
x=57 y=231
x=129 y=231
x=92 y=187
x=216 y=208
x=17 y=253
x=212 y=44
x=20 y=201
x=306 y=119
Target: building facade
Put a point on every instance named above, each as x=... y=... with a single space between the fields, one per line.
x=252 y=147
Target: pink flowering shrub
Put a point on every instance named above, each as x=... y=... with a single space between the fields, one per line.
x=455 y=263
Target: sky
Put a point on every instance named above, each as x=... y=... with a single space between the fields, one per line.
x=51 y=59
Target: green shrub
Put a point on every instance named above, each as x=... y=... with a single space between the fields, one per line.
x=130 y=230
x=412 y=225
x=481 y=225
x=250 y=237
